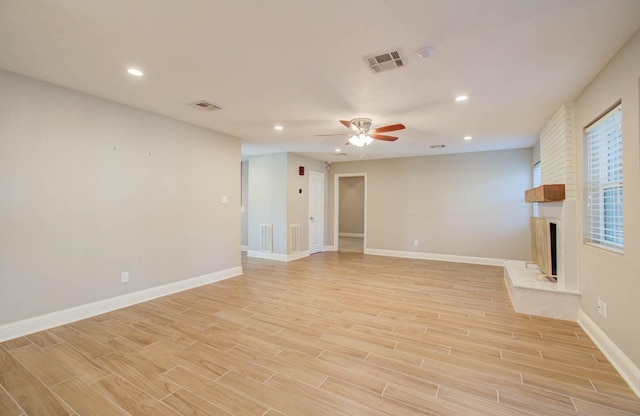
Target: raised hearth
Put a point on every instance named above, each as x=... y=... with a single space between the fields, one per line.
x=532 y=293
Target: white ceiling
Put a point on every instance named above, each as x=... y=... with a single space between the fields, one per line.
x=299 y=63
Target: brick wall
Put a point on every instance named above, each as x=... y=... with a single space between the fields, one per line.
x=557 y=157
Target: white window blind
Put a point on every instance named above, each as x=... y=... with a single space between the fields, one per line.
x=603 y=198
x=537 y=181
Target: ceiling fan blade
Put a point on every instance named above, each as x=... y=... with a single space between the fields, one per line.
x=383 y=137
x=347 y=124
x=337 y=134
x=390 y=127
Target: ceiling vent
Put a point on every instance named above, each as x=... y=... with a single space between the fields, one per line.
x=437 y=146
x=206 y=105
x=384 y=62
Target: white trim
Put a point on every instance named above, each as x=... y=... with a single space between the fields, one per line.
x=244 y=248
x=299 y=255
x=351 y=235
x=324 y=197
x=264 y=255
x=435 y=256
x=331 y=248
x=627 y=369
x=277 y=256
x=40 y=323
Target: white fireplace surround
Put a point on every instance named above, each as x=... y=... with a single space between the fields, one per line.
x=530 y=291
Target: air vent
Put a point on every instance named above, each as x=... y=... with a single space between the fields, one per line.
x=294 y=237
x=206 y=105
x=384 y=62
x=437 y=146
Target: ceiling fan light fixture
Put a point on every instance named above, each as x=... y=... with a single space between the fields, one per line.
x=355 y=140
x=360 y=140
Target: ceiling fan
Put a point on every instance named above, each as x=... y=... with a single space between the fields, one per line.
x=363 y=134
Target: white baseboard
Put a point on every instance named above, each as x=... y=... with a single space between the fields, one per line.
x=434 y=256
x=627 y=369
x=40 y=323
x=277 y=256
x=296 y=256
x=244 y=248
x=351 y=235
x=330 y=248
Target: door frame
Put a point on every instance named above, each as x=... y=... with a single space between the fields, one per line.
x=320 y=174
x=336 y=208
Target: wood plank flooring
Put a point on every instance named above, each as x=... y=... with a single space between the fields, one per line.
x=352 y=244
x=332 y=334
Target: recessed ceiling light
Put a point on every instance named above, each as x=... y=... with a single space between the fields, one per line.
x=462 y=98
x=135 y=72
x=278 y=127
x=337 y=150
x=467 y=138
x=426 y=51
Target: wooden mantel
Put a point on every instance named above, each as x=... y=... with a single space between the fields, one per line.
x=545 y=193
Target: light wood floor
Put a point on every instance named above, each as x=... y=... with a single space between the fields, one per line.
x=352 y=244
x=331 y=334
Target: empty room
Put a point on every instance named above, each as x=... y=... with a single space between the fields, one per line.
x=292 y=207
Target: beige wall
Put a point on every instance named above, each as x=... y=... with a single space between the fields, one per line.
x=90 y=188
x=615 y=278
x=351 y=197
x=465 y=204
x=267 y=199
x=273 y=198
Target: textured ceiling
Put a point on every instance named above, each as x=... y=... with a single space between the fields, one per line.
x=300 y=64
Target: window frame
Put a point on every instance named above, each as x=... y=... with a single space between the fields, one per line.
x=603 y=173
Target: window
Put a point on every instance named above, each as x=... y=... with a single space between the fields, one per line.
x=537 y=181
x=603 y=201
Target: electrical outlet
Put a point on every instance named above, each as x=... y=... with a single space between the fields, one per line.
x=124 y=277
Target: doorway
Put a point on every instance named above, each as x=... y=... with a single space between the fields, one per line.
x=350 y=212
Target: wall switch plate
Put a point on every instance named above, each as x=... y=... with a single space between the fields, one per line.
x=124 y=277
x=604 y=310
x=600 y=306
x=415 y=242
x=224 y=199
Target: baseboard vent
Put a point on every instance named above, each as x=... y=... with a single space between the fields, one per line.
x=294 y=237
x=266 y=238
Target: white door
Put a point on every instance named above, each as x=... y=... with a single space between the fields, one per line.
x=316 y=212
